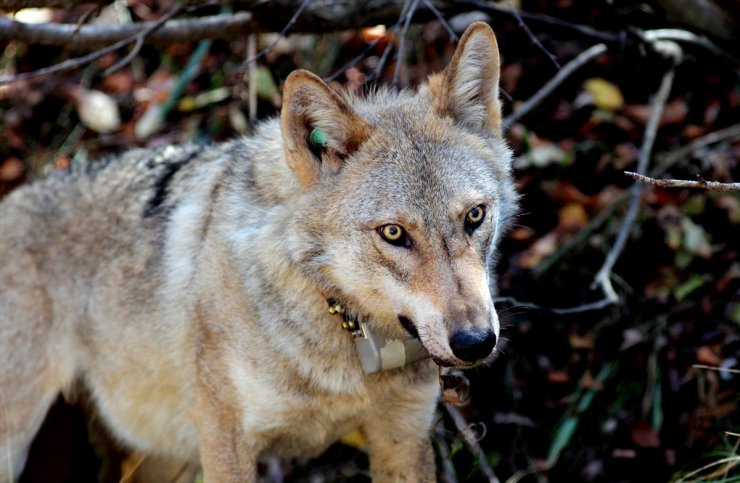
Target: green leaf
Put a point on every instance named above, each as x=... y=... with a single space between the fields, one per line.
x=683 y=290
x=564 y=434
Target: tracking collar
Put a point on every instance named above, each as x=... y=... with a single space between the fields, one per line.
x=377 y=352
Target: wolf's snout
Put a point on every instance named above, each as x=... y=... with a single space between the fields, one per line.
x=472 y=345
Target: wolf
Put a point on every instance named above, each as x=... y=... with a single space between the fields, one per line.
x=199 y=292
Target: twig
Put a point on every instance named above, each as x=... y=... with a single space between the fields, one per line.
x=442 y=20
x=543 y=20
x=587 y=307
x=252 y=79
x=280 y=35
x=715 y=368
x=86 y=59
x=378 y=72
x=121 y=63
x=358 y=57
x=682 y=183
x=732 y=460
x=464 y=429
x=575 y=64
x=130 y=473
x=531 y=36
x=402 y=40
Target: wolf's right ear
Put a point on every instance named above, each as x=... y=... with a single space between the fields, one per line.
x=319 y=129
x=467 y=89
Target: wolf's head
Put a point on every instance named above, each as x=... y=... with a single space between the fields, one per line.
x=404 y=197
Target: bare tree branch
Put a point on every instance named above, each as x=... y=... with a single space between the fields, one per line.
x=282 y=33
x=88 y=37
x=681 y=183
x=531 y=36
x=86 y=59
x=402 y=41
x=442 y=20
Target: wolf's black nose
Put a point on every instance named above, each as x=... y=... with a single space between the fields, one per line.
x=472 y=345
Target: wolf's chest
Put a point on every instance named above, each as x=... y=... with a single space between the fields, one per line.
x=301 y=425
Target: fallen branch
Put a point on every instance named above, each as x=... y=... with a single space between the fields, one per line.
x=681 y=183
x=89 y=37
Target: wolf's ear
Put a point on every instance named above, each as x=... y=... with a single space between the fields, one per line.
x=319 y=129
x=467 y=89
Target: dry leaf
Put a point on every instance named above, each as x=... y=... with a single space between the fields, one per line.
x=605 y=95
x=98 y=111
x=644 y=435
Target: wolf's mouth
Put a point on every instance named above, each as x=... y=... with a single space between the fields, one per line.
x=409 y=326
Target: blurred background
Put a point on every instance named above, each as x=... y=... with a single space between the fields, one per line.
x=631 y=376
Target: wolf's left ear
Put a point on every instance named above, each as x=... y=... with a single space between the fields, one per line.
x=319 y=129
x=467 y=89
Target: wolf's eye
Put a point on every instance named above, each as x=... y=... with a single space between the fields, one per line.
x=474 y=218
x=395 y=235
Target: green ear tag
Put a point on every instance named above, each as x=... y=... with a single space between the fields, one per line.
x=318 y=137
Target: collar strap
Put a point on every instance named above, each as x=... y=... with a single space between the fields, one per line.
x=378 y=353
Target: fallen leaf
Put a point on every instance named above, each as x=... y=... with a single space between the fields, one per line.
x=705 y=355
x=695 y=239
x=538 y=251
x=12 y=169
x=605 y=95
x=631 y=337
x=572 y=217
x=558 y=376
x=731 y=204
x=674 y=113
x=578 y=341
x=34 y=15
x=685 y=289
x=644 y=435
x=98 y=111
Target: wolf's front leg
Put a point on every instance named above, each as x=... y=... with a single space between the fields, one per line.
x=225 y=453
x=400 y=449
